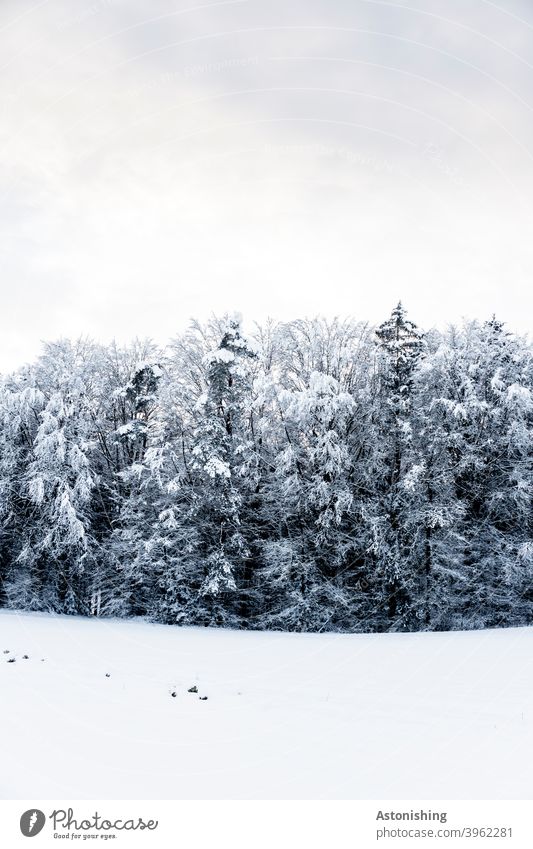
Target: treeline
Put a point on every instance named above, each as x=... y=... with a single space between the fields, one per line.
x=317 y=476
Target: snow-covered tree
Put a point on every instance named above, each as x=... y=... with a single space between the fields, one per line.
x=313 y=499
x=57 y=547
x=321 y=475
x=221 y=463
x=21 y=404
x=486 y=410
x=399 y=347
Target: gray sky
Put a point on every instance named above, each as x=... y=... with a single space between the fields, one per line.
x=162 y=160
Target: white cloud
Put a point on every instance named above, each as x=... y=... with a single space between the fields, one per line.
x=274 y=158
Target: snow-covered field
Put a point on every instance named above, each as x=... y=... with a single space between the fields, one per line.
x=287 y=715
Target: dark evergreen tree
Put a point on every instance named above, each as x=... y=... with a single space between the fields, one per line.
x=399 y=344
x=222 y=457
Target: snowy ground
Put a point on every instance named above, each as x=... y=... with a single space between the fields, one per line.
x=287 y=715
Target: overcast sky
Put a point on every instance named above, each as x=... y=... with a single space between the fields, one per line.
x=162 y=160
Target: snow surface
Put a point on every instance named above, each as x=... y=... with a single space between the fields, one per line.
x=287 y=716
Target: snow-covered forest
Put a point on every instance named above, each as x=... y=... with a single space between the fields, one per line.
x=314 y=475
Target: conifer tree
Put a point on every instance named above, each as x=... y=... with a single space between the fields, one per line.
x=399 y=344
x=220 y=458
